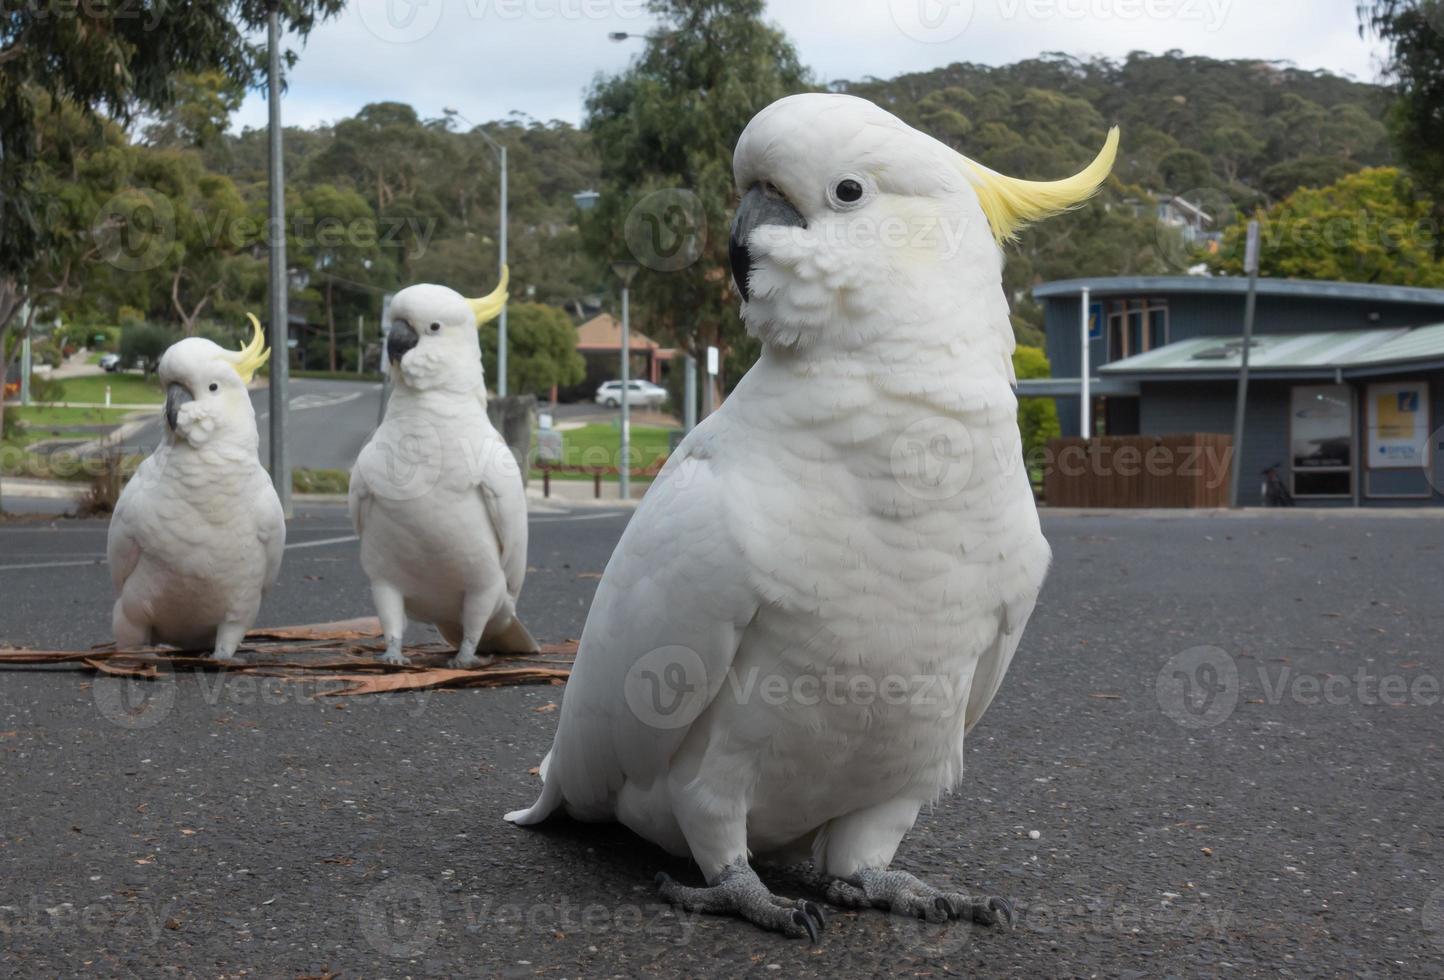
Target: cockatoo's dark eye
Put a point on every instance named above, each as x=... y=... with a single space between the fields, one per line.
x=436 y=328
x=215 y=387
x=848 y=192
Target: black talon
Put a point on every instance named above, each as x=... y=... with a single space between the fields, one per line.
x=1005 y=910
x=944 y=908
x=803 y=919
x=814 y=911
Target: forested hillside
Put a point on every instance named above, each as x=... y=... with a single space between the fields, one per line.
x=386 y=197
x=1231 y=134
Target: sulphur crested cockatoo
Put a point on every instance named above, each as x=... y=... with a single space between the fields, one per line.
x=822 y=591
x=436 y=495
x=198 y=532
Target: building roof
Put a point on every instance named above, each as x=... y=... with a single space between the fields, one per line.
x=1238 y=286
x=604 y=332
x=1332 y=353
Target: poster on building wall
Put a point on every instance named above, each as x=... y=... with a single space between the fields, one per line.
x=1399 y=425
x=1322 y=427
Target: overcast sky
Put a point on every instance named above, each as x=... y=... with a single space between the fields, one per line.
x=488 y=58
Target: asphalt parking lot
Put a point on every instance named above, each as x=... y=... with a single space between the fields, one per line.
x=1218 y=753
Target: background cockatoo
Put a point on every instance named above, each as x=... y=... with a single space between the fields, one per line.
x=436 y=495
x=822 y=591
x=198 y=533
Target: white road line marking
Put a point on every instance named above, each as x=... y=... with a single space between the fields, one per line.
x=101 y=561
x=52 y=564
x=322 y=543
x=579 y=517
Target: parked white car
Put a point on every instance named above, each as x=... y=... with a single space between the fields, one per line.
x=642 y=394
x=110 y=362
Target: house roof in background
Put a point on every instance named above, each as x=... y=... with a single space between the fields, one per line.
x=1331 y=352
x=1238 y=286
x=604 y=332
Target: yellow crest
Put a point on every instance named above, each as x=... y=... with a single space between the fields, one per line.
x=488 y=308
x=248 y=360
x=1010 y=203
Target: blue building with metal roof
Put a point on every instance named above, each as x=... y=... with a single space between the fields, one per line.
x=1346 y=380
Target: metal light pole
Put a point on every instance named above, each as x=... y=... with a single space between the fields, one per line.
x=501 y=266
x=1085 y=406
x=280 y=341
x=26 y=364
x=626 y=271
x=501 y=246
x=1250 y=264
x=689 y=394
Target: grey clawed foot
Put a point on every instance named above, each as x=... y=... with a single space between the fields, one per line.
x=740 y=892
x=905 y=894
x=467 y=661
x=989 y=911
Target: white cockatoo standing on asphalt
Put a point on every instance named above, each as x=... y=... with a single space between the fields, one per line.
x=436 y=495
x=198 y=533
x=820 y=595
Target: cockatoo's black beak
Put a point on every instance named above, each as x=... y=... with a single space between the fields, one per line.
x=176 y=395
x=400 y=339
x=761 y=205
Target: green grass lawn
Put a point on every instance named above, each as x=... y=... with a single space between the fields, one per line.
x=59 y=416
x=320 y=481
x=600 y=445
x=337 y=375
x=125 y=389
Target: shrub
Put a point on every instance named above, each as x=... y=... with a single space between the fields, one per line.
x=145 y=342
x=45 y=389
x=106 y=483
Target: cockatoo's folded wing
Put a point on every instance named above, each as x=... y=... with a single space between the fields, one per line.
x=122 y=546
x=505 y=498
x=358 y=493
x=665 y=625
x=994 y=662
x=272 y=532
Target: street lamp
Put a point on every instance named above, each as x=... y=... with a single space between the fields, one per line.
x=620 y=36
x=280 y=326
x=626 y=271
x=501 y=241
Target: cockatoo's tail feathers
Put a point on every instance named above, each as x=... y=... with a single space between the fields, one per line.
x=250 y=358
x=488 y=308
x=1011 y=204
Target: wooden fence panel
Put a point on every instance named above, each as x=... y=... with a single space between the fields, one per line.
x=1184 y=470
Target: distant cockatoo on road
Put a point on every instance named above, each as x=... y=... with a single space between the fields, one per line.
x=198 y=532
x=436 y=495
x=820 y=595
